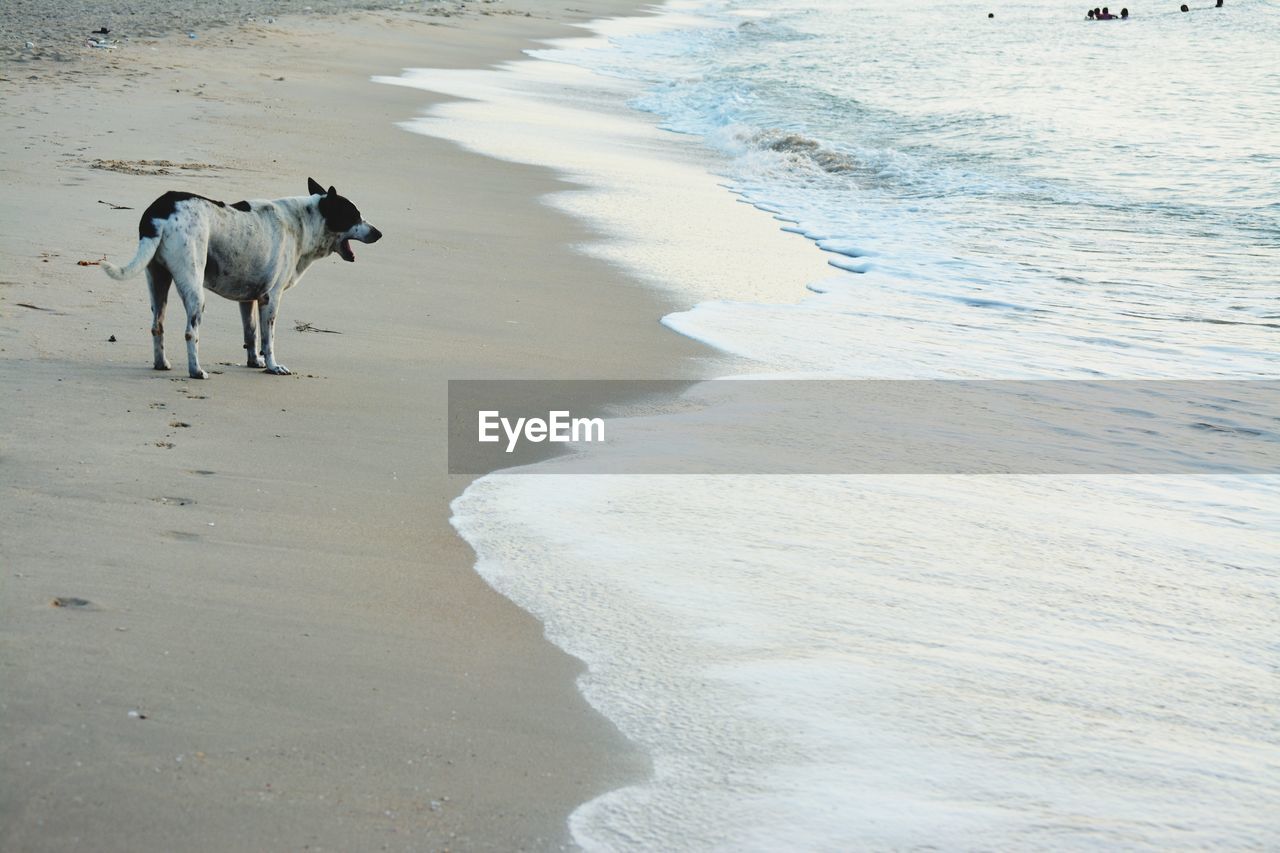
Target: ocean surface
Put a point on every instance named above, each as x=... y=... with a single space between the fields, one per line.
x=916 y=191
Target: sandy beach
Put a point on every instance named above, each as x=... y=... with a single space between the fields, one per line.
x=233 y=614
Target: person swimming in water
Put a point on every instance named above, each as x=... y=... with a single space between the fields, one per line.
x=1104 y=14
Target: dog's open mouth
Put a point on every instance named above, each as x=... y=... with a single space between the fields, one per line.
x=344 y=250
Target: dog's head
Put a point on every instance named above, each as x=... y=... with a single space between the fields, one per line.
x=342 y=221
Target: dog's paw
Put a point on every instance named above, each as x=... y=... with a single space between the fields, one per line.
x=257 y=361
x=198 y=374
x=278 y=370
x=163 y=365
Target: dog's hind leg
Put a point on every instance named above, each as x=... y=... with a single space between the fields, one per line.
x=158 y=281
x=249 y=318
x=185 y=258
x=267 y=306
x=188 y=277
x=193 y=299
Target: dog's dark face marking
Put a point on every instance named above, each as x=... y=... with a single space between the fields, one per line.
x=163 y=208
x=342 y=220
x=340 y=215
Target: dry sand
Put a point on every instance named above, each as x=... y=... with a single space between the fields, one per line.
x=283 y=645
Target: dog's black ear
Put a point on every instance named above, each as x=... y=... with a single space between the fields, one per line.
x=313 y=187
x=332 y=191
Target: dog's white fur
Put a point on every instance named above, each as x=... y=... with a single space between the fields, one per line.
x=249 y=252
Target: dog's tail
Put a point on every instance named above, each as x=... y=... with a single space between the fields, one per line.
x=147 y=247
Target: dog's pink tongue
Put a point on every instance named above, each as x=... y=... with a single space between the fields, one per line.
x=346 y=253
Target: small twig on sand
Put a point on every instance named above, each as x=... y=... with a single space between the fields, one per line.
x=91 y=263
x=114 y=206
x=307 y=327
x=32 y=307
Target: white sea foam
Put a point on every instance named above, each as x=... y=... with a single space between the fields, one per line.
x=842 y=662
x=813 y=668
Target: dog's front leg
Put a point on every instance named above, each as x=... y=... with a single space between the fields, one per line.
x=249 y=319
x=267 y=307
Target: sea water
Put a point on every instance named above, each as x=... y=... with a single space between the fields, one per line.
x=853 y=662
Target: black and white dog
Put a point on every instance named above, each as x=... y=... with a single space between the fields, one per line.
x=250 y=251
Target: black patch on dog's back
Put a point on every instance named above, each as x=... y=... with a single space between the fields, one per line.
x=243 y=205
x=163 y=208
x=339 y=213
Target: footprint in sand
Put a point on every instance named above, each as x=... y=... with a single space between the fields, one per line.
x=72 y=603
x=171 y=501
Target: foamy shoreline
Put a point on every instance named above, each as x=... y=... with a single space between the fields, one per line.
x=272 y=585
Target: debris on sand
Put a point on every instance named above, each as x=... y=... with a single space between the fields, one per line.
x=149 y=167
x=308 y=327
